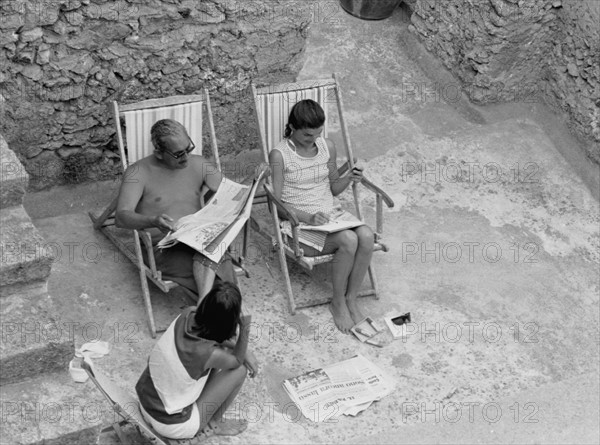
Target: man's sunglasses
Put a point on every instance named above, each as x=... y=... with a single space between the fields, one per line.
x=182 y=153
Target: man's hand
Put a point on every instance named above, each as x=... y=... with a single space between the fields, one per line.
x=251 y=364
x=164 y=223
x=319 y=219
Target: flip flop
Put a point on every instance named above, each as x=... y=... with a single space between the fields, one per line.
x=227 y=427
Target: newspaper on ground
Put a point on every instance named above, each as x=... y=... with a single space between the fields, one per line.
x=347 y=387
x=314 y=236
x=212 y=229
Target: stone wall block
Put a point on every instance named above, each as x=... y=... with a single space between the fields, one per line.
x=70 y=59
x=503 y=48
x=14 y=177
x=31 y=35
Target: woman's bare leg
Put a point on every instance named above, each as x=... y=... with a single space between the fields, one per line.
x=219 y=392
x=362 y=259
x=344 y=244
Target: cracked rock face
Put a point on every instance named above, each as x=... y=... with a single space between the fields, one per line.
x=509 y=51
x=64 y=62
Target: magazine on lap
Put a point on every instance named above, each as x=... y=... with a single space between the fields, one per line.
x=314 y=236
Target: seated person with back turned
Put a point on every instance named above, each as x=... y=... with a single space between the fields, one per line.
x=195 y=370
x=161 y=188
x=306 y=179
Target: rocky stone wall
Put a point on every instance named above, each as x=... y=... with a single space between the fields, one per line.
x=62 y=62
x=520 y=50
x=573 y=69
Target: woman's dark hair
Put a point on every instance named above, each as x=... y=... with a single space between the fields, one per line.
x=305 y=114
x=219 y=312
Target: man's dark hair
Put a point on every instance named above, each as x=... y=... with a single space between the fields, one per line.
x=164 y=128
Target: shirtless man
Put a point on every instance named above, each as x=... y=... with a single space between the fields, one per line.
x=160 y=189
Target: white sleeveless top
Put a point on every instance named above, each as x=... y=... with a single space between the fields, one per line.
x=173 y=383
x=306 y=180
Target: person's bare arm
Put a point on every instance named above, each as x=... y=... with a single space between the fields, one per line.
x=250 y=361
x=276 y=163
x=211 y=174
x=130 y=194
x=339 y=184
x=232 y=359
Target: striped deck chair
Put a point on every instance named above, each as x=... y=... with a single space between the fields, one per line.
x=124 y=405
x=273 y=105
x=127 y=409
x=139 y=118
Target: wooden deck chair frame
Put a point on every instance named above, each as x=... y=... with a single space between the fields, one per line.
x=106 y=218
x=322 y=91
x=126 y=406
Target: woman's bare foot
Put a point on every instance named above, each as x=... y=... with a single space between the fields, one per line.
x=354 y=310
x=226 y=427
x=341 y=315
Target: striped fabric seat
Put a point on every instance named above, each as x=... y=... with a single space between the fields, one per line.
x=273 y=110
x=139 y=122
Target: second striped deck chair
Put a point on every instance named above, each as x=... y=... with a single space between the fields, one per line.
x=126 y=409
x=138 y=119
x=273 y=105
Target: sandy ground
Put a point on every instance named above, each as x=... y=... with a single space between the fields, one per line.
x=494 y=249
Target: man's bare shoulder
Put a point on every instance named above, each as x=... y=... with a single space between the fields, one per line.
x=139 y=170
x=202 y=165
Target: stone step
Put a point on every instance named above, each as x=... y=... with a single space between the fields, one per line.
x=34 y=340
x=52 y=409
x=13 y=177
x=23 y=251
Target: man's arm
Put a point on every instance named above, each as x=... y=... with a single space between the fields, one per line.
x=130 y=194
x=211 y=174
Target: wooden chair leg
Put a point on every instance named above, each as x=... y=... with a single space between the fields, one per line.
x=147 y=302
x=278 y=243
x=373 y=280
x=99 y=221
x=286 y=275
x=144 y=283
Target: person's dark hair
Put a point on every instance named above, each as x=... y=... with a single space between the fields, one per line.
x=164 y=128
x=305 y=114
x=219 y=312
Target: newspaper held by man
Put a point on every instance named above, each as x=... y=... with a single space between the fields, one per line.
x=212 y=229
x=347 y=387
x=314 y=236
